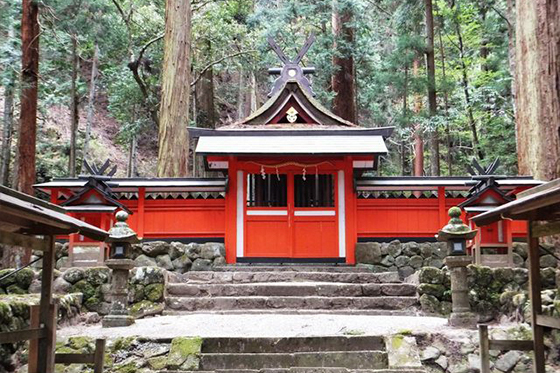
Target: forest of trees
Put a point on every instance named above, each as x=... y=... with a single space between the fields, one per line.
x=114 y=76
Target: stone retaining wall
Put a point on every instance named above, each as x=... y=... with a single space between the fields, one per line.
x=495 y=292
x=180 y=257
x=407 y=258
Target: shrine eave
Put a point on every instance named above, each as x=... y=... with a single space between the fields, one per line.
x=384 y=132
x=291 y=145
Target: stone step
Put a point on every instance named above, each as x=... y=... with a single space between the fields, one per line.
x=412 y=311
x=325 y=289
x=331 y=359
x=292 y=344
x=211 y=277
x=302 y=370
x=311 y=302
x=292 y=267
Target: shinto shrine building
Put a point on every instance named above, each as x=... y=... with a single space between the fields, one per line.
x=295 y=185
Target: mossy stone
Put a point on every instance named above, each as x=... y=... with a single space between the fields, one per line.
x=183 y=350
x=82 y=344
x=24 y=278
x=430 y=304
x=14 y=289
x=154 y=292
x=157 y=363
x=8 y=280
x=431 y=289
x=92 y=303
x=135 y=293
x=73 y=275
x=20 y=308
x=126 y=368
x=97 y=275
x=431 y=275
x=84 y=287
x=145 y=307
x=123 y=343
x=5 y=312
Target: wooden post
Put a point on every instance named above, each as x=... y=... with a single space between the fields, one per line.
x=99 y=356
x=34 y=312
x=509 y=241
x=141 y=209
x=47 y=316
x=535 y=296
x=441 y=206
x=484 y=349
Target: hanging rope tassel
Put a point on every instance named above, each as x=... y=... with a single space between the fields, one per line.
x=277 y=174
x=304 y=172
x=263 y=173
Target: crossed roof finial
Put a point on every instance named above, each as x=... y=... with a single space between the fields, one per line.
x=291 y=69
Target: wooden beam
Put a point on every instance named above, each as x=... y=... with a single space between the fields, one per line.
x=536 y=301
x=22 y=335
x=34 y=311
x=547 y=229
x=47 y=317
x=510 y=344
x=484 y=349
x=74 y=358
x=28 y=242
x=548 y=321
x=539 y=188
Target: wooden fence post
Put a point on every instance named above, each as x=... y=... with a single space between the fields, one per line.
x=34 y=312
x=484 y=349
x=99 y=356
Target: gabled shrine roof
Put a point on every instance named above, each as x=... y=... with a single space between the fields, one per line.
x=293 y=91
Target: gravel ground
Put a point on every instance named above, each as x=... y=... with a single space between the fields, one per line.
x=262 y=325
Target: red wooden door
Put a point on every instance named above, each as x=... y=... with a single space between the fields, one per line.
x=288 y=215
x=314 y=216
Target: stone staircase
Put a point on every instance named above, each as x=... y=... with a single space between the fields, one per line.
x=290 y=289
x=336 y=354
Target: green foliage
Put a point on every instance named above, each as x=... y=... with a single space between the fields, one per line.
x=231 y=38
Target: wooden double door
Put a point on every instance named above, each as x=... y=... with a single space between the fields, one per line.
x=291 y=215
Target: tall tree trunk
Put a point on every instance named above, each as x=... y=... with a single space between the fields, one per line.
x=74 y=113
x=538 y=88
x=8 y=131
x=449 y=156
x=343 y=79
x=28 y=101
x=206 y=113
x=418 y=140
x=175 y=90
x=91 y=102
x=465 y=83
x=241 y=95
x=131 y=172
x=253 y=94
x=511 y=48
x=405 y=120
x=432 y=98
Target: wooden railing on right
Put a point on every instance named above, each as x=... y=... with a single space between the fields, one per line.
x=498 y=344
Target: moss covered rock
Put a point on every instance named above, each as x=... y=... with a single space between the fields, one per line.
x=73 y=275
x=97 y=275
x=5 y=312
x=435 y=290
x=157 y=363
x=84 y=345
x=184 y=350
x=15 y=289
x=431 y=275
x=147 y=275
x=146 y=308
x=84 y=287
x=154 y=292
x=135 y=293
x=430 y=304
x=24 y=278
x=9 y=280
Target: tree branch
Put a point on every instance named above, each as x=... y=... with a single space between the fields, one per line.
x=218 y=61
x=143 y=50
x=501 y=15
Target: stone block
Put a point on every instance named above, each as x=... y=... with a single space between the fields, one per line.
x=402 y=352
x=202 y=265
x=164 y=261
x=368 y=252
x=144 y=261
x=394 y=248
x=155 y=248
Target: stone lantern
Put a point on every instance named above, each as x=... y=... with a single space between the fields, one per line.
x=456 y=234
x=121 y=238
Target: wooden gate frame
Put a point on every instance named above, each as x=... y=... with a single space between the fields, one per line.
x=540 y=207
x=31 y=223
